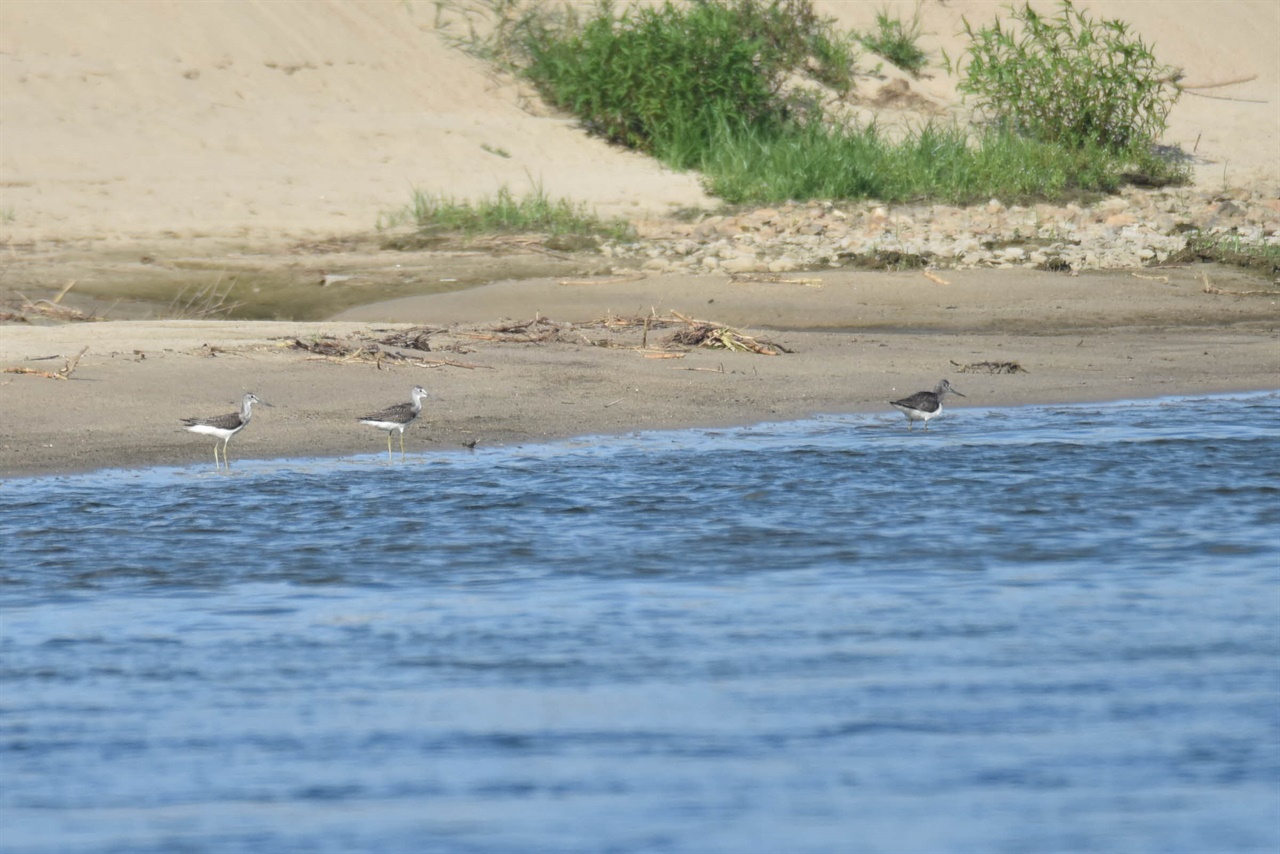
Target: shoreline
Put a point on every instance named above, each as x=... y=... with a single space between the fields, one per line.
x=890 y=420
x=584 y=373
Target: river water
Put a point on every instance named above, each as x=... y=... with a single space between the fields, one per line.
x=1039 y=629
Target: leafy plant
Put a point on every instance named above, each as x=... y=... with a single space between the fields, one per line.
x=658 y=78
x=897 y=41
x=1069 y=79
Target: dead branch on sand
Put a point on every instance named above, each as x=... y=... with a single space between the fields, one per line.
x=63 y=373
x=990 y=368
x=1210 y=289
x=51 y=309
x=417 y=338
x=534 y=331
x=773 y=278
x=606 y=280
x=717 y=336
x=338 y=352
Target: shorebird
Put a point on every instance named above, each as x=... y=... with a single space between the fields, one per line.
x=924 y=405
x=224 y=426
x=397 y=417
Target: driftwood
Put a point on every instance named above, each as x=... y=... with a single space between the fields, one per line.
x=412 y=339
x=694 y=333
x=717 y=336
x=1189 y=87
x=535 y=331
x=773 y=278
x=609 y=280
x=63 y=373
x=330 y=350
x=1210 y=289
x=52 y=309
x=990 y=368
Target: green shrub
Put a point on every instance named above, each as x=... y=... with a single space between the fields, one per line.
x=710 y=85
x=1069 y=79
x=657 y=78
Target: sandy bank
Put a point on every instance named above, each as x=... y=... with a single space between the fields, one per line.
x=857 y=341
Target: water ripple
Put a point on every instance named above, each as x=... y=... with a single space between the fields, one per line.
x=1051 y=628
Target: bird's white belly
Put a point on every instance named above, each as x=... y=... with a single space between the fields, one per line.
x=206 y=430
x=386 y=425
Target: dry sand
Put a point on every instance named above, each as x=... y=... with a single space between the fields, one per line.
x=261 y=122
x=217 y=129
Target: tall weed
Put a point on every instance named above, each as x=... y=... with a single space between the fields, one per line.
x=898 y=41
x=1068 y=79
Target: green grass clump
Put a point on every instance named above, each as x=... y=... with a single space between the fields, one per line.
x=897 y=41
x=1069 y=79
x=935 y=162
x=506 y=213
x=1233 y=250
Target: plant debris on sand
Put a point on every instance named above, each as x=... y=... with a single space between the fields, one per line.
x=701 y=333
x=623 y=333
x=63 y=373
x=49 y=309
x=990 y=368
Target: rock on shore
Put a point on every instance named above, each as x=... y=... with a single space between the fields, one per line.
x=1136 y=228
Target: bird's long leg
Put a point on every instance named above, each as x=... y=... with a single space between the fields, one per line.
x=215 y=455
x=389 y=457
x=226 y=462
x=402 y=444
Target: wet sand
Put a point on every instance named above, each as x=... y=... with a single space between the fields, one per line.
x=857 y=340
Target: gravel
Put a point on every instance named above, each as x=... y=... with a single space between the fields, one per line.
x=1134 y=229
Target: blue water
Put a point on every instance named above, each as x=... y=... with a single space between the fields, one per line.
x=1042 y=629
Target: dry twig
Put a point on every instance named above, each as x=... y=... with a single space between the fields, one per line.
x=417 y=338
x=606 y=280
x=52 y=309
x=990 y=368
x=773 y=278
x=63 y=373
x=1210 y=289
x=701 y=333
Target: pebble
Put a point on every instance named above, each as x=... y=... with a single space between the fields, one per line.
x=1134 y=229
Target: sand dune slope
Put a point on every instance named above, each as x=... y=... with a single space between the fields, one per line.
x=261 y=120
